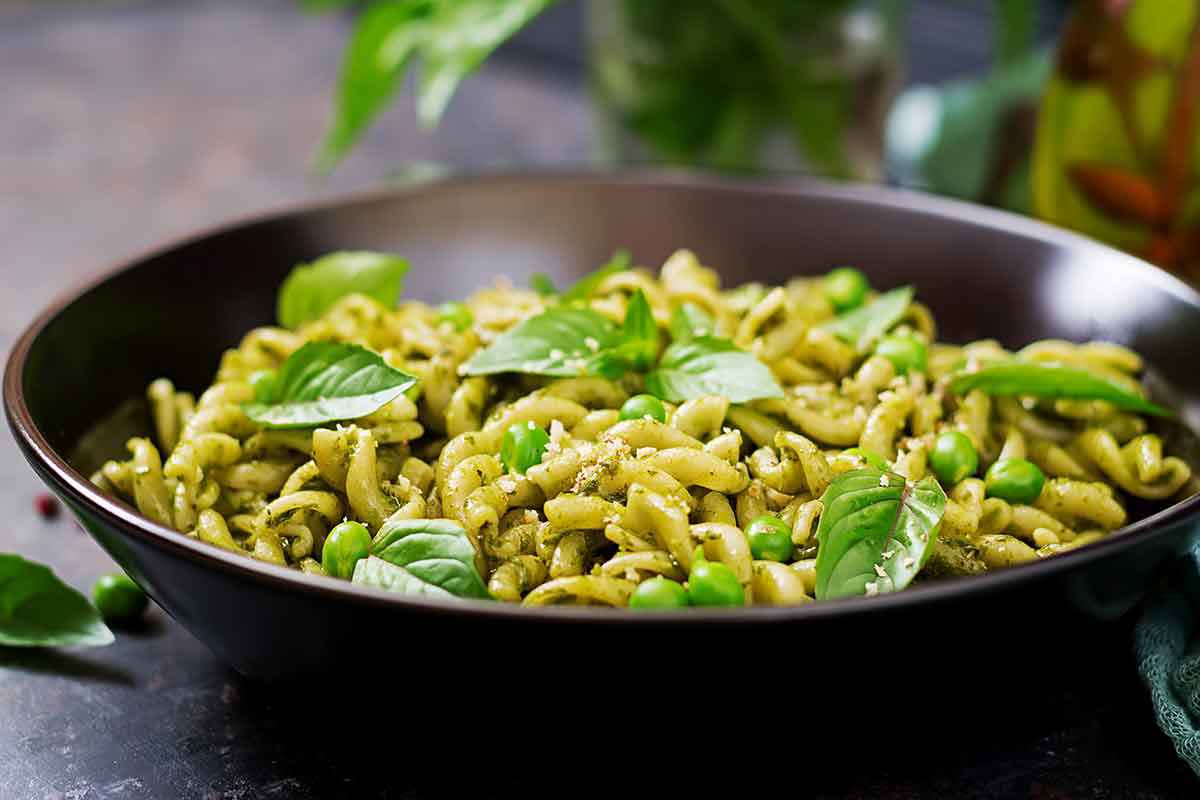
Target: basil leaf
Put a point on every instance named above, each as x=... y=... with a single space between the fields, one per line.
x=372 y=66
x=457 y=38
x=639 y=334
x=451 y=38
x=372 y=571
x=583 y=288
x=39 y=610
x=690 y=321
x=312 y=289
x=709 y=365
x=1051 y=380
x=435 y=552
x=876 y=532
x=325 y=382
x=561 y=342
x=540 y=282
x=863 y=326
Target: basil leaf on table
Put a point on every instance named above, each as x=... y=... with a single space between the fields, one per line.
x=863 y=326
x=435 y=553
x=1051 y=380
x=876 y=532
x=325 y=382
x=582 y=289
x=39 y=610
x=639 y=333
x=690 y=321
x=709 y=365
x=312 y=289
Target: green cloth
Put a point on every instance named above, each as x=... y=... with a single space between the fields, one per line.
x=1167 y=647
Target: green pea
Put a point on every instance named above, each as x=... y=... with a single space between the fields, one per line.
x=953 y=457
x=659 y=593
x=846 y=288
x=263 y=382
x=711 y=583
x=644 y=405
x=1015 y=480
x=906 y=352
x=770 y=538
x=118 y=598
x=522 y=446
x=345 y=545
x=456 y=314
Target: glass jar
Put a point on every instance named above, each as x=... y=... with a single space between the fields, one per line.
x=1117 y=153
x=797 y=85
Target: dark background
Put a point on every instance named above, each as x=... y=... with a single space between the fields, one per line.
x=125 y=124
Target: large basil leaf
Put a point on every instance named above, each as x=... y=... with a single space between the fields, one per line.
x=1051 y=380
x=560 y=341
x=39 y=610
x=863 y=326
x=312 y=289
x=372 y=67
x=372 y=571
x=566 y=341
x=876 y=532
x=325 y=382
x=451 y=38
x=690 y=321
x=709 y=365
x=435 y=552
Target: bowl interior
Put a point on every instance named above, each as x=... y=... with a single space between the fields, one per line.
x=983 y=273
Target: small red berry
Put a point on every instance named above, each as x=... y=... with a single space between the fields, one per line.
x=47 y=506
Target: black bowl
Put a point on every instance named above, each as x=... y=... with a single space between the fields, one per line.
x=984 y=273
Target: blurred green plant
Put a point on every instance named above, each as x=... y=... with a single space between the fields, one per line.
x=972 y=138
x=723 y=73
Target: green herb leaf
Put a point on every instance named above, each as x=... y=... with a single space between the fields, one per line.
x=1051 y=380
x=540 y=282
x=39 y=610
x=312 y=289
x=639 y=334
x=561 y=341
x=325 y=382
x=709 y=365
x=583 y=288
x=435 y=552
x=876 y=532
x=690 y=321
x=863 y=326
x=451 y=38
x=372 y=571
x=457 y=38
x=384 y=39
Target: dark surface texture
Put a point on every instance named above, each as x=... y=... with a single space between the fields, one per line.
x=126 y=127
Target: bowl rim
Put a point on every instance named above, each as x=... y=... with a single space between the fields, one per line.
x=61 y=475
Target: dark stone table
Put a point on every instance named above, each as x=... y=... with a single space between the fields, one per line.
x=122 y=127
